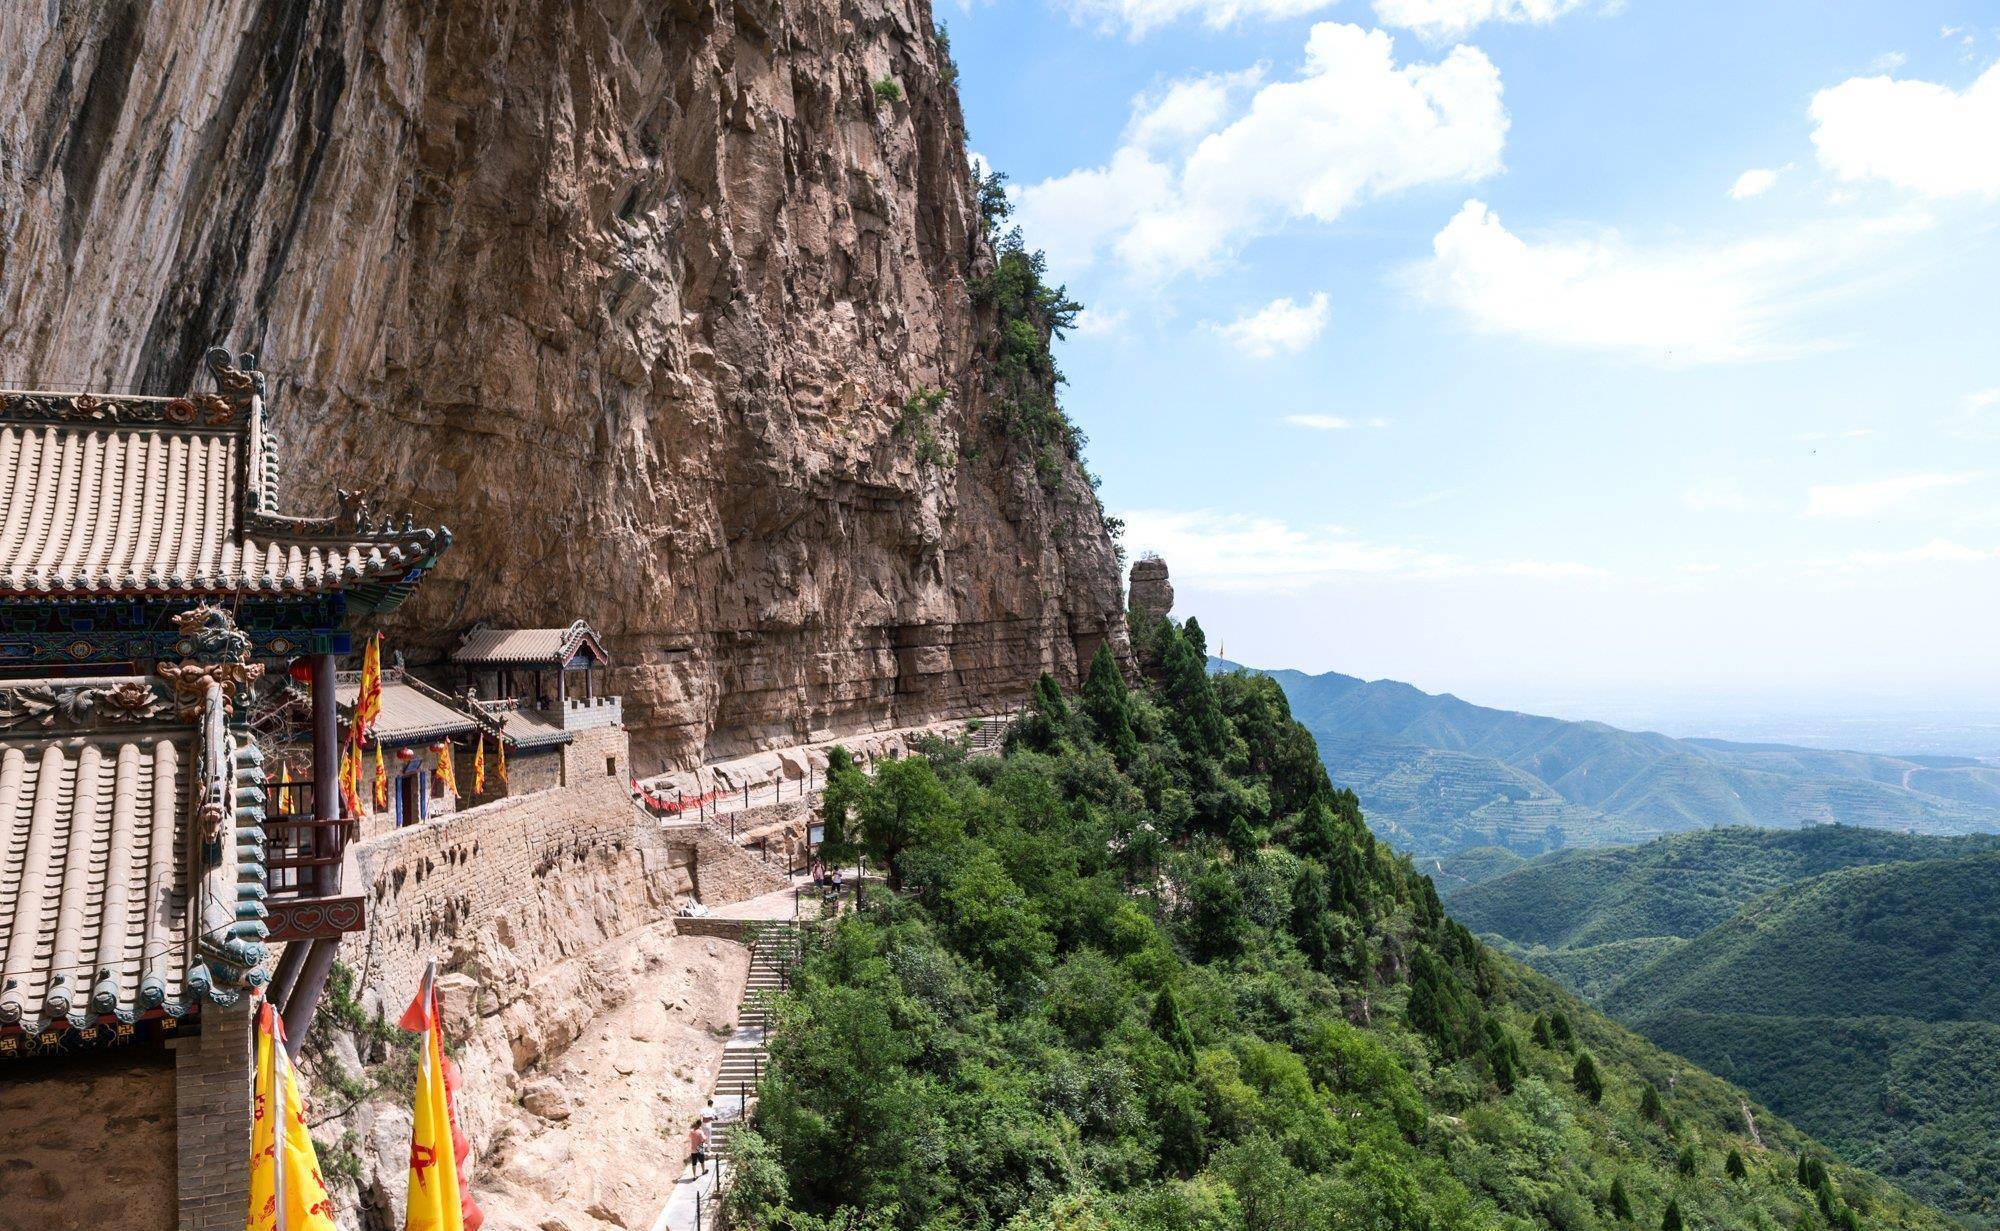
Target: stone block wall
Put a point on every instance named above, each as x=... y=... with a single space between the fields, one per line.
x=213 y=1073
x=601 y=752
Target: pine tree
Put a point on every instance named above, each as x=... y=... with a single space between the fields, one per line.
x=1588 y=1083
x=1621 y=1204
x=1733 y=1166
x=1689 y=1160
x=1559 y=1027
x=1543 y=1039
x=1108 y=704
x=1168 y=1023
x=1671 y=1220
x=1649 y=1104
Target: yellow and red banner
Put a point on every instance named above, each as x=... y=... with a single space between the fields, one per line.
x=439 y=1200
x=479 y=765
x=500 y=746
x=350 y=778
x=368 y=701
x=286 y=1190
x=381 y=780
x=447 y=773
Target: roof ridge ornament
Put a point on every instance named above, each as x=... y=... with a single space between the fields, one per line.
x=213 y=652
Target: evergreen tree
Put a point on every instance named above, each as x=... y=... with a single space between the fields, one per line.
x=1689 y=1160
x=1310 y=924
x=1621 y=1204
x=1559 y=1027
x=1503 y=1055
x=1108 y=704
x=1169 y=1024
x=845 y=785
x=1733 y=1165
x=1671 y=1220
x=1649 y=1104
x=1586 y=1078
x=1543 y=1039
x=1198 y=721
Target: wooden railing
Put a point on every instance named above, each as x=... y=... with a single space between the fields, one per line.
x=301 y=852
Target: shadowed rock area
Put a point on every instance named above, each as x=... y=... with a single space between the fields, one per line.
x=632 y=295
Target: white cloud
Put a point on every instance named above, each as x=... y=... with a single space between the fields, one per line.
x=1186 y=110
x=1976 y=415
x=1683 y=303
x=1717 y=495
x=1442 y=20
x=1354 y=125
x=1875 y=496
x=1917 y=135
x=1753 y=183
x=1937 y=551
x=1319 y=423
x=1238 y=551
x=1140 y=17
x=1888 y=62
x=1099 y=322
x=1281 y=327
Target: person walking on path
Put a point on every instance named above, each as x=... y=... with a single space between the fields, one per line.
x=698 y=1149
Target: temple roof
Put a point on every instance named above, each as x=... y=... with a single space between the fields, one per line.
x=109 y=904
x=528 y=647
x=411 y=713
x=527 y=729
x=126 y=496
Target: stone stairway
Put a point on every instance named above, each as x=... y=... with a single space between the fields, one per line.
x=743 y=1058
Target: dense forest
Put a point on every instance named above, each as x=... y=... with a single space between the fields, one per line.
x=1151 y=971
x=1845 y=976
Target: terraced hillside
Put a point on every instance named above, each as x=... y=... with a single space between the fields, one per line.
x=1438 y=775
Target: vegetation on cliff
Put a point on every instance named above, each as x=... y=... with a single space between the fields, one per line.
x=1152 y=972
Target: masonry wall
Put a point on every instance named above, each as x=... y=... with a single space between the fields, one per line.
x=89 y=1141
x=213 y=1073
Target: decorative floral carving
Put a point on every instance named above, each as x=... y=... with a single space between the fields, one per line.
x=50 y=707
x=215 y=410
x=134 y=411
x=86 y=406
x=180 y=410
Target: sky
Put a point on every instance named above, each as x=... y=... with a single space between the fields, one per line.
x=1587 y=356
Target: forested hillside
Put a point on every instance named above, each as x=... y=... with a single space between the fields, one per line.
x=1845 y=976
x=1152 y=971
x=1438 y=775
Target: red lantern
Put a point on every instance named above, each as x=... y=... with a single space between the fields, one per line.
x=301 y=670
x=405 y=755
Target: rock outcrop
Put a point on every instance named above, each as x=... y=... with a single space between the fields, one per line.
x=1152 y=590
x=631 y=294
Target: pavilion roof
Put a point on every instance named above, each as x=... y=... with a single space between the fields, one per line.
x=110 y=904
x=412 y=712
x=529 y=647
x=116 y=496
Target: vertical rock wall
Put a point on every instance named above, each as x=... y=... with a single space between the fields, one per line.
x=629 y=293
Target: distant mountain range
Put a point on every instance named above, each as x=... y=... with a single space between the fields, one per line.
x=1850 y=978
x=1438 y=776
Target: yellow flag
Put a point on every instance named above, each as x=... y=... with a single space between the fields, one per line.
x=286 y=1191
x=479 y=765
x=500 y=745
x=446 y=774
x=285 y=789
x=381 y=780
x=437 y=1201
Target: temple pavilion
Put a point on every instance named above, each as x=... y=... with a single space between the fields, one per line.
x=162 y=621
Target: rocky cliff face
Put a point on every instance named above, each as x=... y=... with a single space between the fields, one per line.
x=629 y=293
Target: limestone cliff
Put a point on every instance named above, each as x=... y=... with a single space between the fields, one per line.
x=628 y=293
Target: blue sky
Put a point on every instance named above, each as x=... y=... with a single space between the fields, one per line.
x=1558 y=353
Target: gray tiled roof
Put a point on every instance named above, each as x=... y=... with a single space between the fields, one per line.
x=100 y=912
x=130 y=495
x=540 y=647
x=409 y=715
